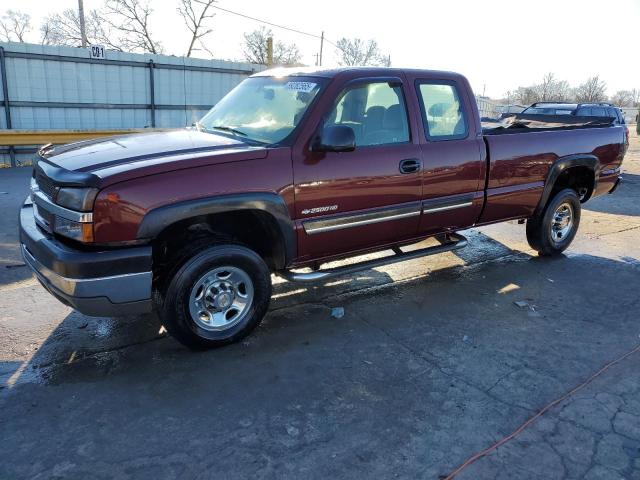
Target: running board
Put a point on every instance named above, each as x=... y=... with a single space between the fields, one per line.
x=449 y=243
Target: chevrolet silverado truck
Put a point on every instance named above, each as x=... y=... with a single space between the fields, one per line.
x=293 y=169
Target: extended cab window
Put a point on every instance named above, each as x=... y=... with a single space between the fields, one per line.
x=375 y=111
x=442 y=112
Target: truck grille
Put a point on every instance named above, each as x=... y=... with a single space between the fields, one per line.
x=45 y=185
x=44 y=218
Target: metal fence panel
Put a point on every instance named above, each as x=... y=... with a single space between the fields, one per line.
x=51 y=87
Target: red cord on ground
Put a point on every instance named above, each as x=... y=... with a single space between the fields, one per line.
x=522 y=427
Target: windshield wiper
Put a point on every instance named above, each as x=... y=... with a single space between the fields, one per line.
x=229 y=129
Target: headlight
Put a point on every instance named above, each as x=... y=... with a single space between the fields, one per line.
x=79 y=199
x=82 y=232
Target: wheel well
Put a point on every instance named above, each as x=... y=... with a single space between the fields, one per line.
x=255 y=229
x=579 y=178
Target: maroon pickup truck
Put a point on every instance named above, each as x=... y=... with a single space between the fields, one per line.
x=292 y=169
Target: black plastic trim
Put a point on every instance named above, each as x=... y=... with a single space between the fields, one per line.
x=562 y=164
x=63 y=177
x=157 y=220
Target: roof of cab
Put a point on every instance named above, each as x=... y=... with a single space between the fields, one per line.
x=329 y=72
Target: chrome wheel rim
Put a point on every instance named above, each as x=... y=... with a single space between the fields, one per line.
x=562 y=222
x=221 y=298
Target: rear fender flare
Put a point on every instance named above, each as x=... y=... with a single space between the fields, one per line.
x=559 y=167
x=155 y=221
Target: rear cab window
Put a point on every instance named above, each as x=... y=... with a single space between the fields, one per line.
x=443 y=113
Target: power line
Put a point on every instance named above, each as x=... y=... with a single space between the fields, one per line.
x=268 y=23
x=276 y=25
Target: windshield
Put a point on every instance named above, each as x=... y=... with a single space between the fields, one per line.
x=263 y=109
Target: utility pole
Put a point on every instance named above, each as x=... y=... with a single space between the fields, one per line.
x=270 y=51
x=321 y=45
x=83 y=29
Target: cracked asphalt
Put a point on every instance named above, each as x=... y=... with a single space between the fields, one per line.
x=432 y=362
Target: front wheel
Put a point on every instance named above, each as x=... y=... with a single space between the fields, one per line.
x=216 y=297
x=553 y=230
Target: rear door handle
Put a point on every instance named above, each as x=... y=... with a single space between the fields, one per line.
x=410 y=165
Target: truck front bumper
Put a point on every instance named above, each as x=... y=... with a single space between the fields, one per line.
x=98 y=283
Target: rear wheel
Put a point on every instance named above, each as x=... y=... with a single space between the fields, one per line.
x=216 y=297
x=554 y=229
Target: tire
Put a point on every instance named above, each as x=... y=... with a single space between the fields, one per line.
x=554 y=229
x=215 y=297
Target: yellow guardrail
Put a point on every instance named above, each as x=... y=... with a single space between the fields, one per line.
x=16 y=138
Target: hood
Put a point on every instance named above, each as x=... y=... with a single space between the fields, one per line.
x=106 y=153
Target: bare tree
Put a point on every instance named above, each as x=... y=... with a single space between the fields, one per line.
x=549 y=90
x=526 y=95
x=552 y=89
x=14 y=26
x=45 y=32
x=593 y=90
x=357 y=52
x=130 y=19
x=623 y=98
x=195 y=16
x=64 y=29
x=635 y=94
x=255 y=49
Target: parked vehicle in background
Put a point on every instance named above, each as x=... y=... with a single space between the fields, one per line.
x=295 y=168
x=550 y=108
x=600 y=110
x=577 y=109
x=509 y=110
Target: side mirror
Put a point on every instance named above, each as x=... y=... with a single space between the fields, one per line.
x=335 y=138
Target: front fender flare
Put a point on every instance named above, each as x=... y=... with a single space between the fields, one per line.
x=160 y=218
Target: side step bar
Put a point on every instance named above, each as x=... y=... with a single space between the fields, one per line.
x=449 y=243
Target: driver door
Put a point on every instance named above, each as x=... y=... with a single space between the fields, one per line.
x=368 y=197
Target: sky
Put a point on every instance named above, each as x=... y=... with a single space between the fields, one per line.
x=497 y=45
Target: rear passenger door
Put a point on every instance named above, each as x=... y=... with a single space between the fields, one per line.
x=453 y=155
x=348 y=201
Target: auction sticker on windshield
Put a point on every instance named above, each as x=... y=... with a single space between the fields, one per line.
x=305 y=87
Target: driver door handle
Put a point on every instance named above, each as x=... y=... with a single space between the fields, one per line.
x=410 y=165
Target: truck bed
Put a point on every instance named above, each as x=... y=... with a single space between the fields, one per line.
x=519 y=164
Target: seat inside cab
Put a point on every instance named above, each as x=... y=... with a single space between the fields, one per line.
x=375 y=111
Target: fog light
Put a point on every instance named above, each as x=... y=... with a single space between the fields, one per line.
x=82 y=232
